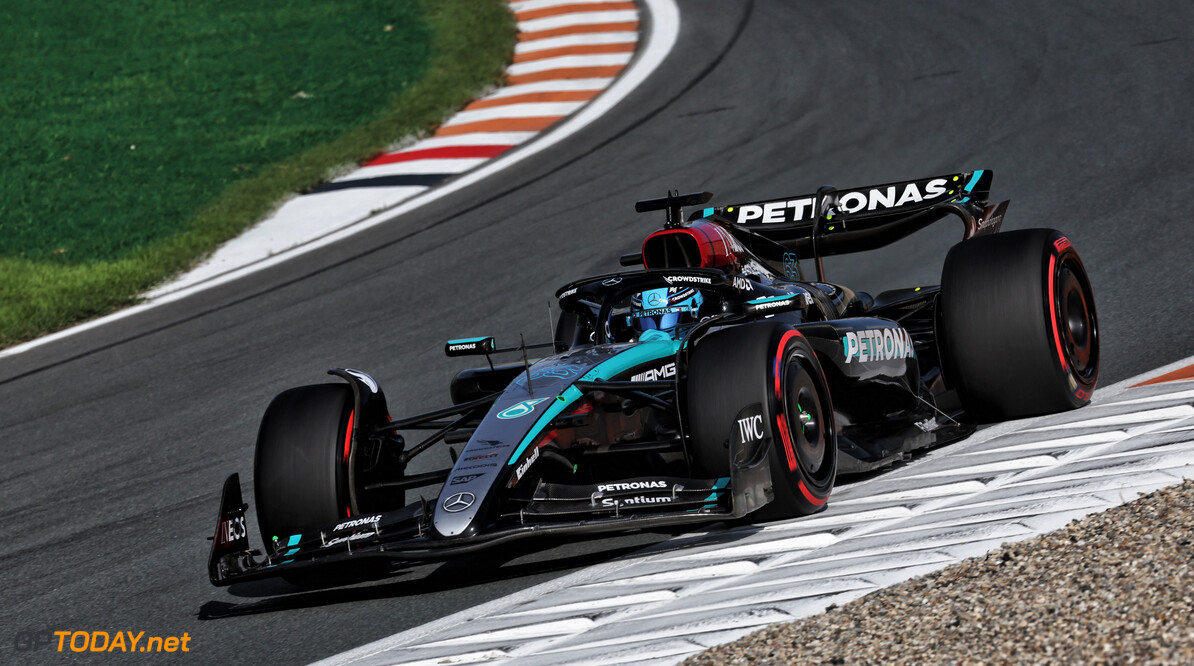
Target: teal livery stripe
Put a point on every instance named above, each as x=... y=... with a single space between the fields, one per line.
x=637 y=355
x=771 y=298
x=612 y=367
x=569 y=396
x=293 y=541
x=973 y=180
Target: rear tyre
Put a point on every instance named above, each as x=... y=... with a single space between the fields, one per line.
x=300 y=475
x=1017 y=325
x=772 y=365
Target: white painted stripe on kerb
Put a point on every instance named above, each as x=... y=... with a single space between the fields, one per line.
x=682 y=574
x=563 y=85
x=611 y=602
x=781 y=545
x=820 y=522
x=461 y=660
x=916 y=494
x=994 y=467
x=570 y=61
x=477 y=139
x=1184 y=395
x=577 y=18
x=528 y=110
x=1055 y=444
x=565 y=41
x=1133 y=418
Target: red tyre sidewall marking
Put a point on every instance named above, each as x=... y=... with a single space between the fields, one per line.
x=780 y=419
x=1065 y=367
x=347 y=450
x=812 y=499
x=348 y=436
x=782 y=422
x=789 y=452
x=1061 y=244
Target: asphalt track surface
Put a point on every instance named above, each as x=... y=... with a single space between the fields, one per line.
x=115 y=442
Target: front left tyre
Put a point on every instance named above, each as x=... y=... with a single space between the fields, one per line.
x=771 y=365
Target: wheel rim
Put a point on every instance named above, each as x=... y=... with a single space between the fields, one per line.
x=1075 y=315
x=805 y=415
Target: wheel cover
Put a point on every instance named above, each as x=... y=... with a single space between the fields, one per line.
x=1077 y=324
x=805 y=414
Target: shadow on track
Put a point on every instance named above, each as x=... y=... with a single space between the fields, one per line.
x=424 y=579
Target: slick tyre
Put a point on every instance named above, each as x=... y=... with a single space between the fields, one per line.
x=300 y=477
x=1017 y=325
x=771 y=365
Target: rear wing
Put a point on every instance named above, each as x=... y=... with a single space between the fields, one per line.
x=835 y=221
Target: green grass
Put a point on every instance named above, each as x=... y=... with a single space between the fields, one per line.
x=141 y=135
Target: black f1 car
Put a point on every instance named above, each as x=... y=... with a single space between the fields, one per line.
x=716 y=383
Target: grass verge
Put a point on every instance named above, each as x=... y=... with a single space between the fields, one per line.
x=468 y=45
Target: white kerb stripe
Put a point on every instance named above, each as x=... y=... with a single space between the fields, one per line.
x=579 y=18
x=563 y=85
x=476 y=139
x=529 y=110
x=565 y=41
x=568 y=62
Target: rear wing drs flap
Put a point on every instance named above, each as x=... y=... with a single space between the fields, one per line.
x=835 y=221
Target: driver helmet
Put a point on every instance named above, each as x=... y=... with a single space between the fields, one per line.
x=664 y=309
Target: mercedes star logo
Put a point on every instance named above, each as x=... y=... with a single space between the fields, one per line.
x=459 y=502
x=612 y=281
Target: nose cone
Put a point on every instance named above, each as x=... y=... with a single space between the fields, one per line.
x=456 y=509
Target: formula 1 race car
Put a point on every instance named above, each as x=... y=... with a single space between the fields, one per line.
x=716 y=383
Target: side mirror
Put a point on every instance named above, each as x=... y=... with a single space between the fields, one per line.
x=471 y=346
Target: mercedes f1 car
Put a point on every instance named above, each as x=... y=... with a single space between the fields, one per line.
x=716 y=382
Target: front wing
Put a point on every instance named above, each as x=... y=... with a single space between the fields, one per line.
x=556 y=510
